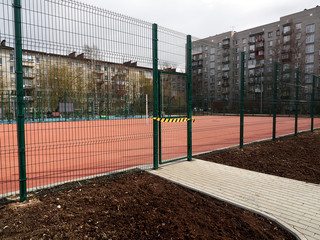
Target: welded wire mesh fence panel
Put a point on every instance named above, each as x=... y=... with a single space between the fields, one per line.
x=87 y=82
x=217 y=92
x=9 y=170
x=173 y=93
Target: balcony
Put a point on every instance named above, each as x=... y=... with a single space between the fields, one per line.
x=28 y=62
x=225 y=92
x=225 y=54
x=225 y=69
x=226 y=45
x=251 y=81
x=98 y=71
x=225 y=61
x=284 y=33
x=29 y=75
x=225 y=84
x=225 y=77
x=28 y=86
x=28 y=98
x=260 y=56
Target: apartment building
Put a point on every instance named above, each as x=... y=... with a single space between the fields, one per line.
x=293 y=42
x=52 y=78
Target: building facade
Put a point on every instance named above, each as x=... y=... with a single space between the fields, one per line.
x=293 y=42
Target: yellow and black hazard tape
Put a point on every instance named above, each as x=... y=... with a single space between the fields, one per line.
x=172 y=119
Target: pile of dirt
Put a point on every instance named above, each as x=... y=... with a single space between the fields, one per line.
x=138 y=206
x=295 y=157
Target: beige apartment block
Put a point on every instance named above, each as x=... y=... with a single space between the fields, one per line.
x=293 y=42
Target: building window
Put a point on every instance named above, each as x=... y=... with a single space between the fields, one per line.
x=278 y=32
x=310 y=28
x=310 y=58
x=252 y=48
x=286 y=39
x=261 y=52
x=244 y=49
x=252 y=39
x=270 y=43
x=308 y=79
x=200 y=56
x=309 y=68
x=212 y=58
x=310 y=48
x=270 y=34
x=11 y=69
x=252 y=56
x=286 y=29
x=310 y=38
x=298 y=26
x=236 y=42
x=244 y=40
x=298 y=36
x=286 y=48
x=286 y=67
x=212 y=51
x=11 y=57
x=0 y=61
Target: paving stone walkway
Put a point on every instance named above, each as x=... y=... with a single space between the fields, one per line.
x=293 y=204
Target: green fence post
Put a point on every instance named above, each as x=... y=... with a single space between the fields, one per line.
x=168 y=106
x=87 y=106
x=125 y=107
x=155 y=94
x=141 y=106
x=296 y=103
x=9 y=106
x=275 y=99
x=20 y=93
x=2 y=106
x=160 y=115
x=92 y=108
x=179 y=106
x=65 y=106
x=108 y=106
x=312 y=101
x=39 y=106
x=189 y=98
x=242 y=100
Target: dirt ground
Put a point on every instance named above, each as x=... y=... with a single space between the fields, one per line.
x=143 y=206
x=295 y=157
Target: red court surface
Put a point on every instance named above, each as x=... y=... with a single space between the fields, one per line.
x=63 y=151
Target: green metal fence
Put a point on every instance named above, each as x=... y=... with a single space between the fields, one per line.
x=77 y=93
x=242 y=97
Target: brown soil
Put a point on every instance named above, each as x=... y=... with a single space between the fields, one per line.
x=295 y=157
x=138 y=206
x=143 y=206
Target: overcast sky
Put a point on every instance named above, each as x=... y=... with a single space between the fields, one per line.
x=203 y=18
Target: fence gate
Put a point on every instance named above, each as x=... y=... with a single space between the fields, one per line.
x=172 y=109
